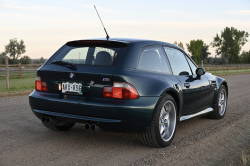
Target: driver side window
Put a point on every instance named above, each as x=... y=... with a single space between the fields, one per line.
x=178 y=62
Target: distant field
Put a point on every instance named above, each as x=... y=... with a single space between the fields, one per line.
x=16 y=84
x=27 y=82
x=228 y=72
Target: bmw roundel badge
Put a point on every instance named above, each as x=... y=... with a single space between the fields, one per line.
x=71 y=75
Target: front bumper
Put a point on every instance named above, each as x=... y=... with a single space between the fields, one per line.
x=107 y=113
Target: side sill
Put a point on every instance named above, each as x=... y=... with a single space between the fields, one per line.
x=196 y=114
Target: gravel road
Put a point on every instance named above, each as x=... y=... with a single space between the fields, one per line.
x=201 y=141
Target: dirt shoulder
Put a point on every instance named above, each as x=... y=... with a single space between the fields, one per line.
x=220 y=144
x=17 y=93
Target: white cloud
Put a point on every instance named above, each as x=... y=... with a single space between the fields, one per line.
x=12 y=6
x=239 y=12
x=8 y=1
x=182 y=14
x=172 y=12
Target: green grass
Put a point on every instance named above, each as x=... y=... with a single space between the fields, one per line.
x=228 y=72
x=27 y=82
x=17 y=72
x=16 y=84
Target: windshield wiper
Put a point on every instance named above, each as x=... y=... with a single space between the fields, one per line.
x=64 y=63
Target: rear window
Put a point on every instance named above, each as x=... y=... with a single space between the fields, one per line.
x=91 y=54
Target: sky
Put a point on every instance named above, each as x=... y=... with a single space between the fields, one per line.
x=47 y=25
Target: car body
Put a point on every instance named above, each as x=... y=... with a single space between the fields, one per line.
x=151 y=69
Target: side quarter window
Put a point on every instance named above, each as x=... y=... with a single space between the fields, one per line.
x=178 y=62
x=153 y=59
x=193 y=67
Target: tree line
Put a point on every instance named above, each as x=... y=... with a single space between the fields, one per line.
x=14 y=50
x=228 y=46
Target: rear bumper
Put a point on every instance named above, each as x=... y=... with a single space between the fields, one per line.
x=107 y=113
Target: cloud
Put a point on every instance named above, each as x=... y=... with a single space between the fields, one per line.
x=182 y=14
x=8 y=1
x=172 y=12
x=238 y=12
x=12 y=6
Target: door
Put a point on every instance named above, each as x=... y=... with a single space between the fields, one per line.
x=195 y=92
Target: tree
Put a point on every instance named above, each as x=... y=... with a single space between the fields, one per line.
x=230 y=43
x=25 y=60
x=179 y=44
x=2 y=57
x=245 y=57
x=198 y=49
x=15 y=49
x=42 y=60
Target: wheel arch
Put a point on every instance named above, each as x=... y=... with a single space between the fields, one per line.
x=225 y=84
x=177 y=97
x=177 y=100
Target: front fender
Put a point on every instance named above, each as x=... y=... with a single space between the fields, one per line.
x=220 y=81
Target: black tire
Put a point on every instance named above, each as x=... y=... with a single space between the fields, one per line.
x=153 y=136
x=64 y=127
x=217 y=113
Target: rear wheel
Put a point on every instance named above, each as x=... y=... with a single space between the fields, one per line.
x=62 y=127
x=162 y=129
x=221 y=104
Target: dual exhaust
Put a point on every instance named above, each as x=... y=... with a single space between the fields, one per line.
x=55 y=121
x=50 y=120
x=92 y=127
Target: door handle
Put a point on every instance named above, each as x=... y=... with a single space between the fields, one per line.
x=187 y=85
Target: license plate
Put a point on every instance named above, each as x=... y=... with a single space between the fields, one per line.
x=72 y=87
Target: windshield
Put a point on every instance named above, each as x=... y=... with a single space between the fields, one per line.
x=94 y=56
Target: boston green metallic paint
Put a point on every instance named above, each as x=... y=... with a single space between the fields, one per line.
x=137 y=112
x=133 y=114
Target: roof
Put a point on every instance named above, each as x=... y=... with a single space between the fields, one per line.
x=135 y=40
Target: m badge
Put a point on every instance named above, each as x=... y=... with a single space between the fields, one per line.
x=105 y=79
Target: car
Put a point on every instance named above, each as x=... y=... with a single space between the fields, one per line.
x=125 y=85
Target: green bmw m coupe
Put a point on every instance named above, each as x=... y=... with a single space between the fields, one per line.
x=124 y=84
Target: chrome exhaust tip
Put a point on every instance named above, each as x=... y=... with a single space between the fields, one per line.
x=87 y=126
x=92 y=127
x=48 y=119
x=43 y=118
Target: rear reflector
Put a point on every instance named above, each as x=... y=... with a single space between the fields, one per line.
x=40 y=86
x=120 y=90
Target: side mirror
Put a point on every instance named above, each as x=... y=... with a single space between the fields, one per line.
x=200 y=72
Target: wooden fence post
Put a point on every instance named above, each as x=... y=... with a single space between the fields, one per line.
x=7 y=71
x=20 y=70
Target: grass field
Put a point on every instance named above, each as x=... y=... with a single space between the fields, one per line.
x=229 y=72
x=16 y=84
x=27 y=82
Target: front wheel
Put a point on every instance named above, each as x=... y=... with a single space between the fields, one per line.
x=162 y=129
x=221 y=104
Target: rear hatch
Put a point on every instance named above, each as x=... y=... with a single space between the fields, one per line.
x=87 y=63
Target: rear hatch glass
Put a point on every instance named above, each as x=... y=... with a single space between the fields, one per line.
x=92 y=64
x=91 y=53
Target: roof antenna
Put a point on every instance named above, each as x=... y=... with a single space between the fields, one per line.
x=102 y=24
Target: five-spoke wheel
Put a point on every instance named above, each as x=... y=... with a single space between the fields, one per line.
x=167 y=120
x=221 y=105
x=162 y=129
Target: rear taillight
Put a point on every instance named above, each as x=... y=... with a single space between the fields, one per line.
x=40 y=86
x=120 y=90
